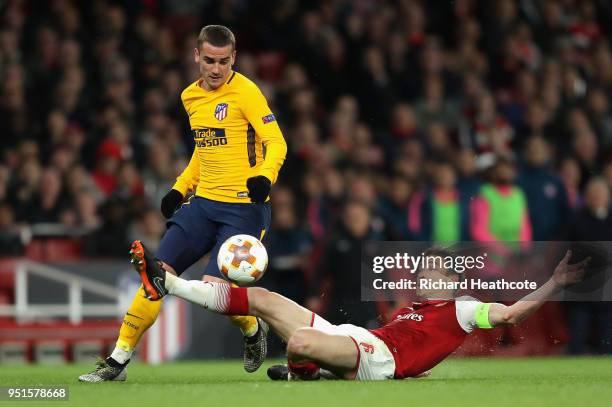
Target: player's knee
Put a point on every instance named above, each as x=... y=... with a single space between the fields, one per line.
x=300 y=343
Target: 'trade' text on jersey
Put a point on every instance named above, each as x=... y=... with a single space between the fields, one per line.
x=209 y=137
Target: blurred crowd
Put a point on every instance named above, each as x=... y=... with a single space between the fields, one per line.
x=405 y=120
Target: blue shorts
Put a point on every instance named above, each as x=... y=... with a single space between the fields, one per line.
x=201 y=226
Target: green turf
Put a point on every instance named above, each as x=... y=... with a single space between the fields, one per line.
x=492 y=382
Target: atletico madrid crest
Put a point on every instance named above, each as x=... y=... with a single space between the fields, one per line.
x=221 y=111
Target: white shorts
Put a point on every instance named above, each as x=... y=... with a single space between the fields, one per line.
x=374 y=359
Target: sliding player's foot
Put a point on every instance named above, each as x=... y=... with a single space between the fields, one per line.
x=150 y=270
x=106 y=370
x=282 y=373
x=256 y=347
x=279 y=372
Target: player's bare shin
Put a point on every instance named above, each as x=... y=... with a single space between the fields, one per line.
x=282 y=314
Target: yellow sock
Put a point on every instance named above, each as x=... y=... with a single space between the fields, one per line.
x=139 y=317
x=248 y=325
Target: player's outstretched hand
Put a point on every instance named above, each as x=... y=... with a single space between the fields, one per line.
x=170 y=203
x=570 y=273
x=259 y=188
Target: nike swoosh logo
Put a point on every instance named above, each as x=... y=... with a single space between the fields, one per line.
x=159 y=283
x=190 y=114
x=132 y=315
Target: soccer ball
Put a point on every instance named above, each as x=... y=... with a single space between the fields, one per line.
x=242 y=259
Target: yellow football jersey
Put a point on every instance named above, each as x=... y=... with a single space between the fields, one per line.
x=236 y=137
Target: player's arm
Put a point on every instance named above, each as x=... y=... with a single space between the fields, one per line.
x=186 y=182
x=494 y=314
x=258 y=113
x=189 y=178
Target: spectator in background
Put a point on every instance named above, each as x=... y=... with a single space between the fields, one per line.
x=11 y=242
x=600 y=115
x=467 y=173
x=606 y=172
x=594 y=220
x=148 y=228
x=129 y=183
x=403 y=126
x=394 y=208
x=586 y=150
x=288 y=247
x=4 y=182
x=439 y=140
x=86 y=212
x=158 y=175
x=571 y=174
x=500 y=212
x=319 y=215
x=592 y=223
x=51 y=200
x=546 y=197
x=376 y=92
x=435 y=106
x=336 y=288
x=490 y=134
x=446 y=210
x=111 y=239
x=23 y=192
x=365 y=153
x=108 y=160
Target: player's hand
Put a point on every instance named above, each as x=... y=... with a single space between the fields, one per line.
x=565 y=273
x=170 y=203
x=259 y=188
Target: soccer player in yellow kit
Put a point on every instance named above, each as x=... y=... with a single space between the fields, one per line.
x=239 y=150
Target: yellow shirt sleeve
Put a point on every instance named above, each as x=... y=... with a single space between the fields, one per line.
x=258 y=113
x=189 y=178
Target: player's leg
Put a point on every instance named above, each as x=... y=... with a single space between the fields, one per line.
x=338 y=354
x=254 y=220
x=282 y=314
x=142 y=313
x=177 y=251
x=347 y=351
x=185 y=242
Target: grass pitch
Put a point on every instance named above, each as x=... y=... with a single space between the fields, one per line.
x=491 y=382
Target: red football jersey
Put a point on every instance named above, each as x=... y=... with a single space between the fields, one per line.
x=421 y=336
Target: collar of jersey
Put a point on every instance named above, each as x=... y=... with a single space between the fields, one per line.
x=229 y=77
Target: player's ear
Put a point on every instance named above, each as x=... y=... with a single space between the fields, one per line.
x=233 y=57
x=196 y=55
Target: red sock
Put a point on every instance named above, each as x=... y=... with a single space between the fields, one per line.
x=220 y=297
x=238 y=301
x=304 y=369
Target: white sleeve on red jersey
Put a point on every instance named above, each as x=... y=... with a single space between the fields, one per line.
x=465 y=308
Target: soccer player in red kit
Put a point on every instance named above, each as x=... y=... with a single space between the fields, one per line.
x=417 y=338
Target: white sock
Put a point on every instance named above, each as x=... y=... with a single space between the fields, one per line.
x=121 y=356
x=210 y=295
